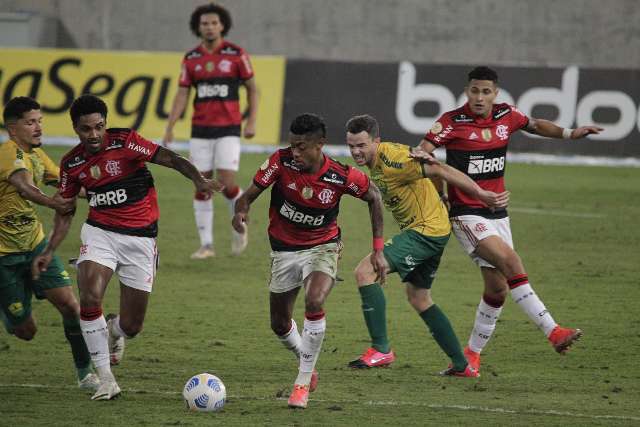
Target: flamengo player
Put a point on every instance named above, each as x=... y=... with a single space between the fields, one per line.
x=216 y=69
x=476 y=138
x=304 y=236
x=119 y=234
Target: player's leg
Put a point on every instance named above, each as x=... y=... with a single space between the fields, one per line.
x=226 y=163
x=201 y=154
x=281 y=306
x=374 y=312
x=15 y=299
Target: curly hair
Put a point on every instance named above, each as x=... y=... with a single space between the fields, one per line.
x=16 y=107
x=308 y=124
x=223 y=14
x=87 y=104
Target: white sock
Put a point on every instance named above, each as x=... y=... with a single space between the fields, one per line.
x=116 y=330
x=312 y=337
x=484 y=325
x=292 y=340
x=203 y=210
x=232 y=202
x=528 y=301
x=95 y=335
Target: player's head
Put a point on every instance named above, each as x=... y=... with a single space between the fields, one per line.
x=363 y=135
x=89 y=118
x=481 y=90
x=307 y=135
x=23 y=120
x=210 y=22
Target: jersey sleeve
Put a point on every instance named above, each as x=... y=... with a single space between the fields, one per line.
x=269 y=171
x=51 y=170
x=69 y=186
x=519 y=120
x=185 y=77
x=357 y=183
x=139 y=148
x=245 y=70
x=440 y=133
x=11 y=164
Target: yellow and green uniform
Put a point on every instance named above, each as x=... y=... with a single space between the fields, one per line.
x=21 y=234
x=416 y=206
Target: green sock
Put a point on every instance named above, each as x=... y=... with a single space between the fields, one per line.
x=81 y=356
x=444 y=335
x=374 y=308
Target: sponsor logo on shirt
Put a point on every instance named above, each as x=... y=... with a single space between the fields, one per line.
x=290 y=212
x=478 y=164
x=206 y=90
x=139 y=148
x=501 y=113
x=107 y=198
x=463 y=118
x=333 y=178
x=76 y=161
x=267 y=175
x=354 y=187
x=116 y=143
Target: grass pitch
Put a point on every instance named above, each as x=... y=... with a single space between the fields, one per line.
x=574 y=227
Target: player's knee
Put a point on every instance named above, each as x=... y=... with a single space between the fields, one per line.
x=280 y=326
x=231 y=191
x=364 y=274
x=26 y=333
x=69 y=309
x=131 y=329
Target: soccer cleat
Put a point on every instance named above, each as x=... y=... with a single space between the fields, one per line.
x=372 y=358
x=314 y=381
x=562 y=338
x=468 y=372
x=239 y=241
x=107 y=391
x=203 y=253
x=473 y=358
x=299 y=396
x=90 y=382
x=116 y=345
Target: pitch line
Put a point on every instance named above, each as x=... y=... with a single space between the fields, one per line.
x=470 y=408
x=553 y=212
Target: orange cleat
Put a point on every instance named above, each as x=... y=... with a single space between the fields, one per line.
x=372 y=358
x=473 y=358
x=468 y=372
x=299 y=396
x=562 y=338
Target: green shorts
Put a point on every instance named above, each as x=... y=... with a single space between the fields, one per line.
x=17 y=287
x=415 y=257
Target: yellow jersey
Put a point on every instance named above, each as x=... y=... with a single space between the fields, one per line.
x=412 y=199
x=20 y=228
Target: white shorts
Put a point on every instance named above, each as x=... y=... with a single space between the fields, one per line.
x=133 y=258
x=470 y=229
x=213 y=154
x=289 y=269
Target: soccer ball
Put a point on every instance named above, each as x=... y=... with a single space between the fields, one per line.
x=204 y=393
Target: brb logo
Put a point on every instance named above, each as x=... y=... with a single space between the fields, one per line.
x=478 y=164
x=290 y=212
x=210 y=91
x=108 y=198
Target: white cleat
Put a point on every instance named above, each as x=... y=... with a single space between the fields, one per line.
x=239 y=241
x=90 y=382
x=203 y=253
x=107 y=391
x=116 y=345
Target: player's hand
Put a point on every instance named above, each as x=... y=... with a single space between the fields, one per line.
x=40 y=264
x=62 y=205
x=167 y=138
x=379 y=266
x=239 y=221
x=494 y=200
x=249 y=130
x=423 y=157
x=209 y=186
x=583 y=131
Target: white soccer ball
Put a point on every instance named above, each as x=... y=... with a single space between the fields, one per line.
x=204 y=393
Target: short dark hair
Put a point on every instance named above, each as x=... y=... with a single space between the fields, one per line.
x=308 y=124
x=87 y=104
x=16 y=107
x=483 y=73
x=364 y=122
x=223 y=14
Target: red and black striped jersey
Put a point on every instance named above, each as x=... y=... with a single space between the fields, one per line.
x=216 y=77
x=477 y=147
x=120 y=190
x=304 y=207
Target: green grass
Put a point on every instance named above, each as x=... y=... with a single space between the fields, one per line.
x=213 y=316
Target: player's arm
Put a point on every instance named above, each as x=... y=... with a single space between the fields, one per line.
x=551 y=130
x=252 y=107
x=241 y=209
x=21 y=179
x=376 y=212
x=458 y=179
x=61 y=225
x=170 y=159
x=178 y=107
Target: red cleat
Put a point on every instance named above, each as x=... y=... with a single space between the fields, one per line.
x=372 y=358
x=562 y=338
x=473 y=358
x=299 y=396
x=468 y=372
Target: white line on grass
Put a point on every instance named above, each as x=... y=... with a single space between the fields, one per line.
x=375 y=403
x=554 y=212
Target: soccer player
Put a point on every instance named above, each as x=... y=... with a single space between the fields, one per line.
x=24 y=167
x=120 y=233
x=414 y=253
x=304 y=236
x=216 y=69
x=475 y=137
